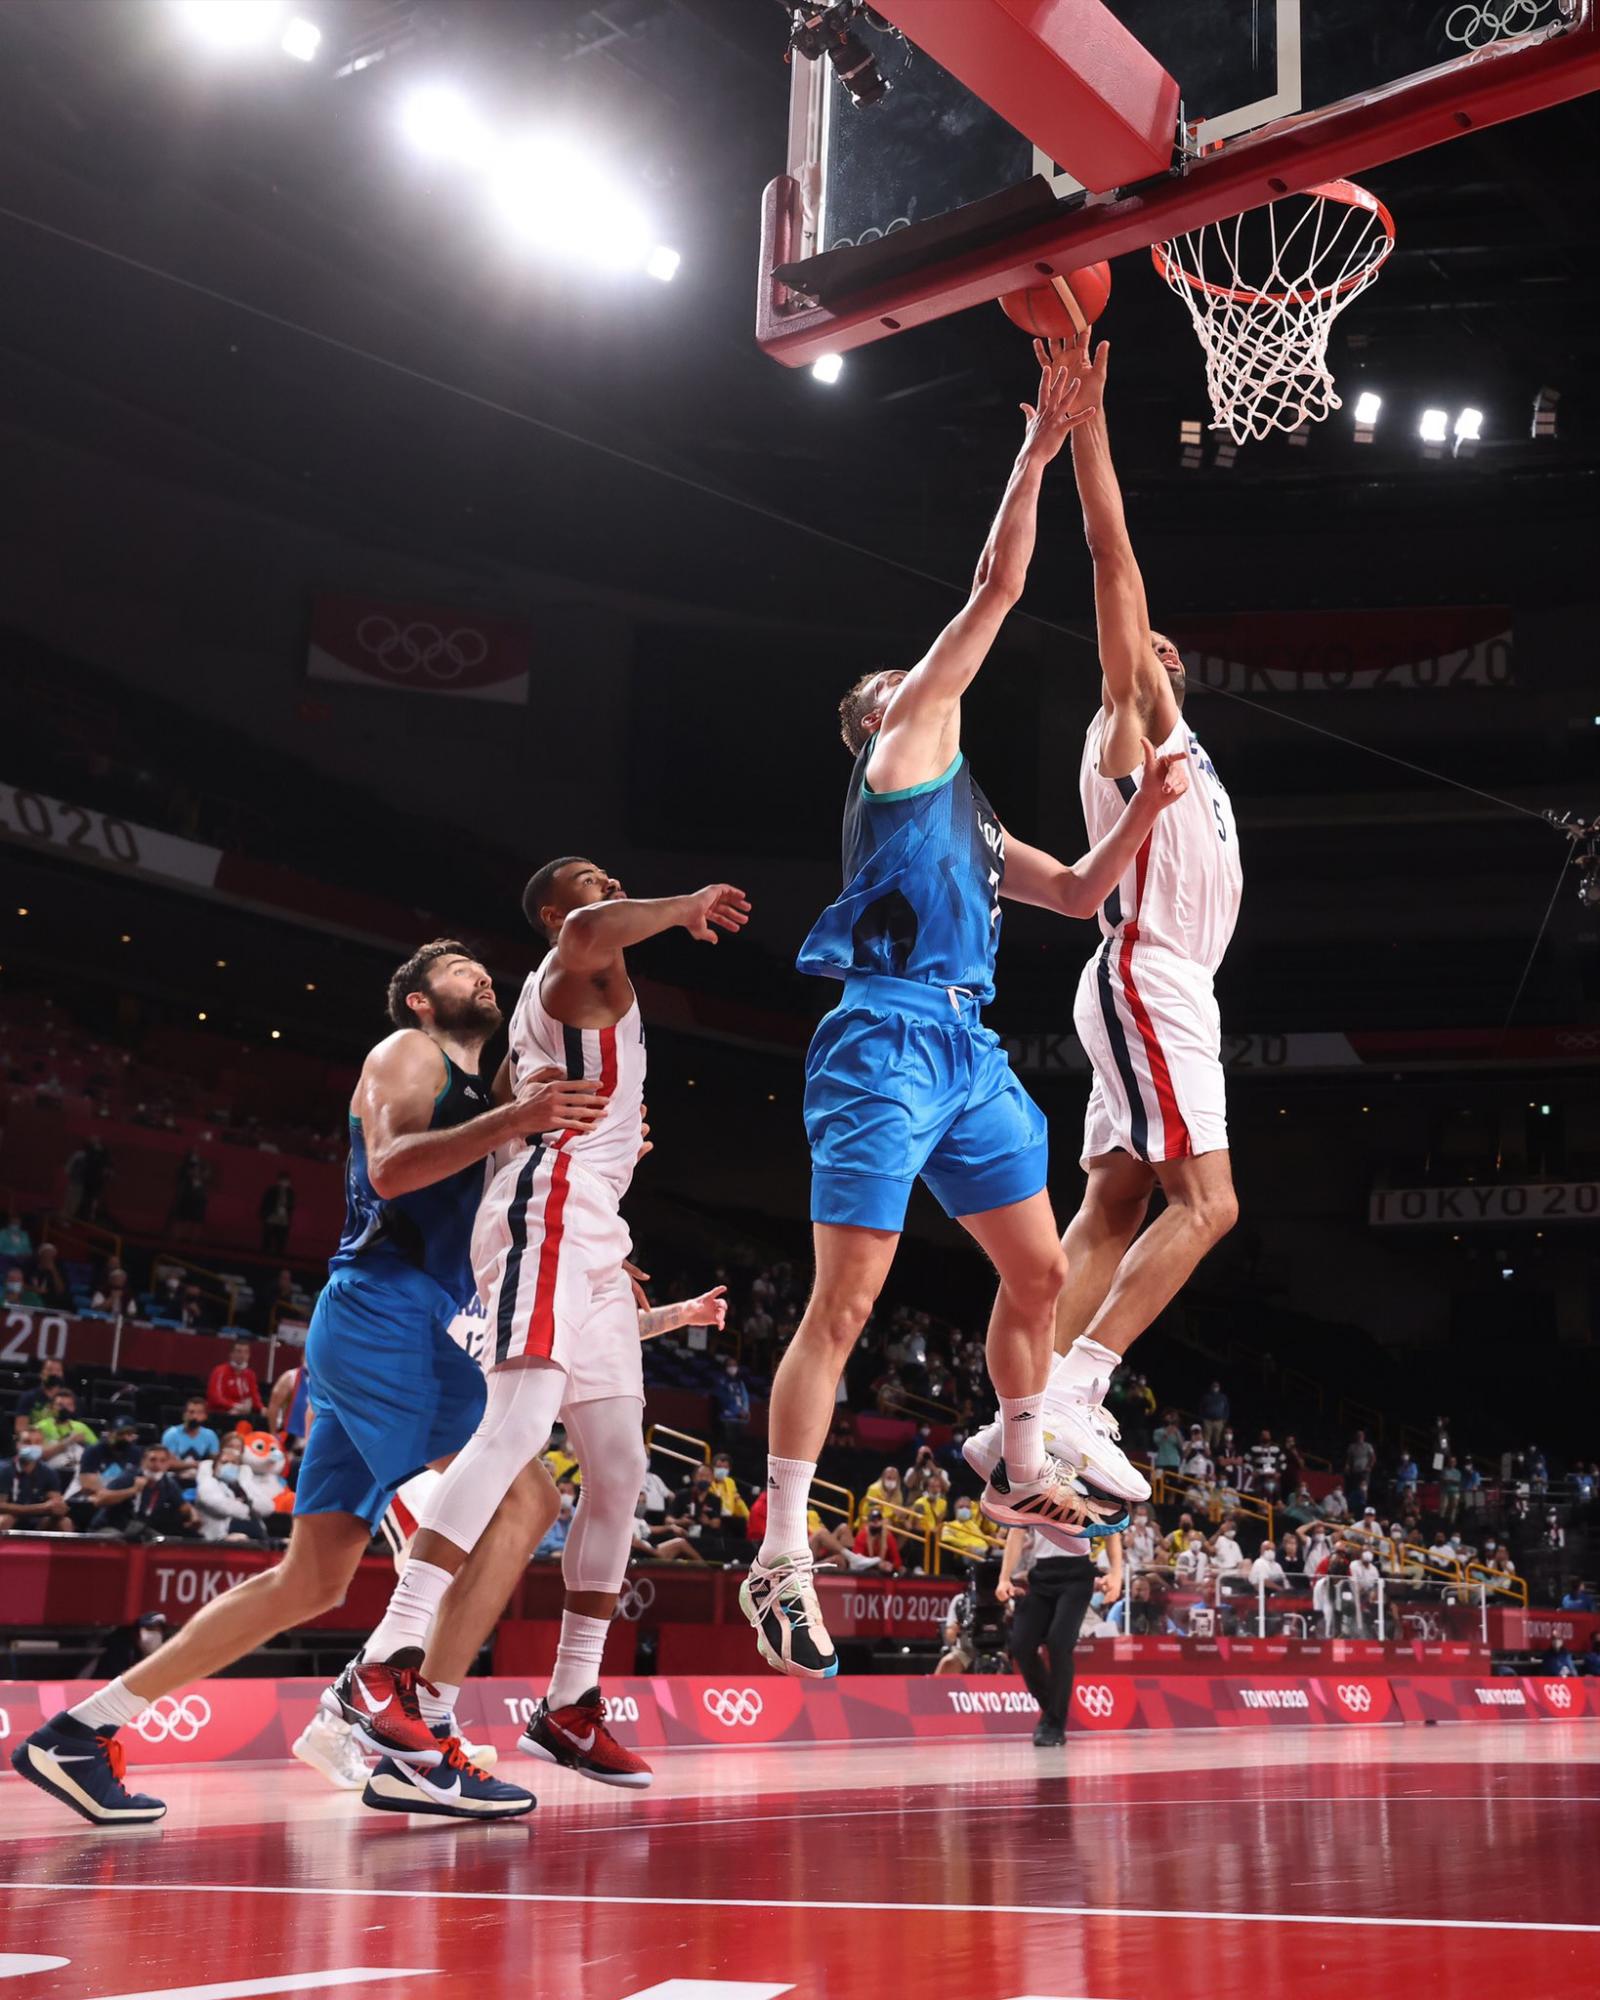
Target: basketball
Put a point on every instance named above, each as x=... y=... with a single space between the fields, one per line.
x=1065 y=307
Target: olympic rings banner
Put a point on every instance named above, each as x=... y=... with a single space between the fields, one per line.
x=419 y=648
x=260 y=1719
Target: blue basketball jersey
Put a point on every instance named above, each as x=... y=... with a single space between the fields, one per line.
x=429 y=1229
x=922 y=873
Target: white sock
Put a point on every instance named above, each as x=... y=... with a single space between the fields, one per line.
x=788 y=1496
x=578 y=1656
x=110 y=1708
x=410 y=1614
x=1085 y=1370
x=440 y=1706
x=1022 y=1436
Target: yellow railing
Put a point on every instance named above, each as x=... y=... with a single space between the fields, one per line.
x=702 y=1450
x=1500 y=1582
x=67 y=1233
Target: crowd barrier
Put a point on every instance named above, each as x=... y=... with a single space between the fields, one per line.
x=261 y=1718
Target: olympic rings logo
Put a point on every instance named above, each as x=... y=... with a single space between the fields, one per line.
x=636 y=1599
x=1475 y=26
x=401 y=649
x=1356 y=1698
x=174 y=1720
x=734 y=1708
x=1095 y=1699
x=1559 y=1695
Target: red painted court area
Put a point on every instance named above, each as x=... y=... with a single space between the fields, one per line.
x=1403 y=1861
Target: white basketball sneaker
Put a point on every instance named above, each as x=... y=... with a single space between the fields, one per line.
x=329 y=1745
x=1082 y=1435
x=1054 y=1500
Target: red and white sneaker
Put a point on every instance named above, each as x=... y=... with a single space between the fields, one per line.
x=576 y=1737
x=1054 y=1500
x=380 y=1704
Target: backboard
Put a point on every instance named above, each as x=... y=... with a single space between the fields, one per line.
x=932 y=199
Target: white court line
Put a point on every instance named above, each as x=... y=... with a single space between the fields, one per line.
x=279 y=1982
x=1164 y=1916
x=13 y=1964
x=713 y=1989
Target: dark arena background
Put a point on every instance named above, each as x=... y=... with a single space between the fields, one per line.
x=445 y=435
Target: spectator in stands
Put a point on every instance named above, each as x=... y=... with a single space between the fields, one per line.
x=192 y=1438
x=30 y=1492
x=886 y=1489
x=555 y=1536
x=660 y=1544
x=15 y=1242
x=285 y=1301
x=115 y=1298
x=924 y=1464
x=50 y=1281
x=233 y=1390
x=1267 y=1571
x=1316 y=1551
x=1196 y=1461
x=191 y=1190
x=656 y=1492
x=1266 y=1468
x=165 y=1300
x=111 y=1462
x=932 y=1506
x=1359 y=1459
x=1168 y=1444
x=890 y=1400
x=1450 y=1490
x=1366 y=1580
x=1227 y=1556
x=1230 y=1461
x=34 y=1403
x=1442 y=1553
x=1335 y=1506
x=66 y=1436
x=1578 y=1596
x=1293 y=1475
x=1471 y=1486
x=18 y=1291
x=964 y=1537
x=1505 y=1569
x=1141 y=1538
x=224 y=1513
x=875 y=1540
x=1406 y=1480
x=735 y=1508
x=1215 y=1410
x=150 y=1503
x=277 y=1216
x=732 y=1398
x=1300 y=1508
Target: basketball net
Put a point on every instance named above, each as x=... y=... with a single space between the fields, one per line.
x=1263 y=290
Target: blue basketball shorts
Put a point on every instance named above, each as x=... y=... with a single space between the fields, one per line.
x=390 y=1390
x=903 y=1080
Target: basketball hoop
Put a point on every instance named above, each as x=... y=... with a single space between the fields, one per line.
x=1265 y=338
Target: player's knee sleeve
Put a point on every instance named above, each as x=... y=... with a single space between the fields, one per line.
x=609 y=1440
x=516 y=1427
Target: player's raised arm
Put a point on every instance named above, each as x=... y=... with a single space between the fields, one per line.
x=1078 y=889
x=395 y=1099
x=592 y=938
x=920 y=727
x=1136 y=686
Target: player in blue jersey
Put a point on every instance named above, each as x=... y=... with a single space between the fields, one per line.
x=391 y=1390
x=903 y=1080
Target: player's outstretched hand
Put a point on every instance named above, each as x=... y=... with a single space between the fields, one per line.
x=709 y=1309
x=551 y=1101
x=1062 y=404
x=721 y=907
x=1165 y=778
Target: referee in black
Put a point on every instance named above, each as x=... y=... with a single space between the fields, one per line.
x=1047 y=1617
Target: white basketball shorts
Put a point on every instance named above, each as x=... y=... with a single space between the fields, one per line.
x=547 y=1251
x=1149 y=1024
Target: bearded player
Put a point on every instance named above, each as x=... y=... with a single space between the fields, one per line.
x=902 y=1078
x=1146 y=1009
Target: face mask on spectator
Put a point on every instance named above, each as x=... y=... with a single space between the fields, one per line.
x=229 y=1470
x=721 y=1469
x=963 y=1513
x=30 y=1454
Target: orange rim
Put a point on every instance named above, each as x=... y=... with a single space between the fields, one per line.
x=1346 y=192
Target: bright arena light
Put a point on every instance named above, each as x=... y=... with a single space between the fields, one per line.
x=442 y=125
x=662 y=263
x=1469 y=424
x=828 y=367
x=301 y=39
x=557 y=199
x=1367 y=407
x=1434 y=427
x=232 y=24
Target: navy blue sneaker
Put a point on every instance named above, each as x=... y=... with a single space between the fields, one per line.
x=83 y=1768
x=454 y=1788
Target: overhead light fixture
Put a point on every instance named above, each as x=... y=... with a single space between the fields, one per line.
x=556 y=198
x=231 y=25
x=828 y=367
x=301 y=39
x=1368 y=405
x=1226 y=454
x=1435 y=426
x=1469 y=425
x=1544 y=413
x=662 y=264
x=440 y=123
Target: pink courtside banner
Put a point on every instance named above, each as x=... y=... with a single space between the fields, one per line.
x=259 y=1719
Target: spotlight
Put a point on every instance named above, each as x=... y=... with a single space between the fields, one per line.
x=301 y=39
x=1469 y=425
x=1368 y=405
x=828 y=367
x=554 y=197
x=1435 y=426
x=442 y=125
x=662 y=264
x=277 y=1034
x=230 y=25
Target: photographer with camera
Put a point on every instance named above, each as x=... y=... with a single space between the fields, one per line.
x=1049 y=1616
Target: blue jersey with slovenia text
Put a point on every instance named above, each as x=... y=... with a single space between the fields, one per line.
x=922 y=875
x=429 y=1229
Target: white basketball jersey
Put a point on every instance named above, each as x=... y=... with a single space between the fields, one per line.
x=612 y=1057
x=1183 y=889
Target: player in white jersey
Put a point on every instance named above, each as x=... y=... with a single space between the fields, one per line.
x=562 y=1333
x=1145 y=1009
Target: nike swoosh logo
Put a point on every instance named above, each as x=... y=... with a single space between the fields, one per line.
x=583 y=1744
x=364 y=1700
